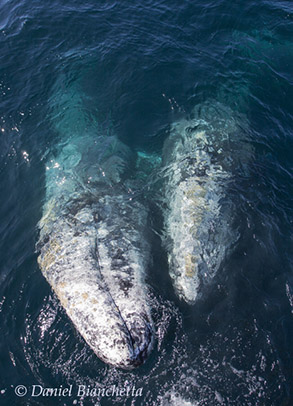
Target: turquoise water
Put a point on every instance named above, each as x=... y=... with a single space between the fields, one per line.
x=142 y=67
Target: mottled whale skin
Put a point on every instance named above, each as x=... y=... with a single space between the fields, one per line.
x=198 y=160
x=93 y=248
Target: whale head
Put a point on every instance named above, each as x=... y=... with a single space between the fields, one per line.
x=119 y=332
x=131 y=349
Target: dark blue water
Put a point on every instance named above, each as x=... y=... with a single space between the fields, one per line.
x=144 y=65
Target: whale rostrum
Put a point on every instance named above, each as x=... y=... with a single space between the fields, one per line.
x=94 y=250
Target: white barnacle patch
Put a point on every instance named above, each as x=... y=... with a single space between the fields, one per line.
x=102 y=232
x=85 y=216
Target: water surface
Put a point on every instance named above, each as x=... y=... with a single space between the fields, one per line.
x=144 y=65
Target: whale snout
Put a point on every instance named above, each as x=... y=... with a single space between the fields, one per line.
x=142 y=342
x=133 y=346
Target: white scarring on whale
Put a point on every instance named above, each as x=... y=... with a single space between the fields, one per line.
x=94 y=249
x=198 y=160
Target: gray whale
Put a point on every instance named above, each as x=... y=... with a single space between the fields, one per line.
x=199 y=158
x=93 y=248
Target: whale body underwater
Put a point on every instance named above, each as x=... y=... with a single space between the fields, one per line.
x=93 y=235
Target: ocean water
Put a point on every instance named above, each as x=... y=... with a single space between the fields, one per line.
x=143 y=66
